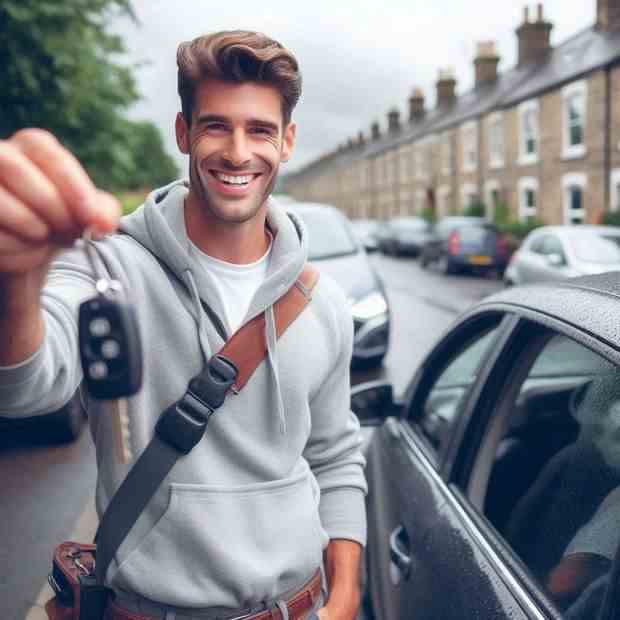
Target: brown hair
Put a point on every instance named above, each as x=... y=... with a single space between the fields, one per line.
x=237 y=56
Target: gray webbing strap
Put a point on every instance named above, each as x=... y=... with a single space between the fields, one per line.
x=129 y=501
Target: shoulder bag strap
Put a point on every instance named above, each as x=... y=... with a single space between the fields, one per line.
x=181 y=426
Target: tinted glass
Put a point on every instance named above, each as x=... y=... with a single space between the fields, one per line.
x=554 y=488
x=592 y=248
x=446 y=397
x=552 y=245
x=328 y=235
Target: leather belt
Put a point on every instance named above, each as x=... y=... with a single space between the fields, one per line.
x=299 y=606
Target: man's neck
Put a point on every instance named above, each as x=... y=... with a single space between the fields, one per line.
x=240 y=244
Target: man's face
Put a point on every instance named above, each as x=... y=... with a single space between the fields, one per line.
x=236 y=143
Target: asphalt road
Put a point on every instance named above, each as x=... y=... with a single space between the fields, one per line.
x=44 y=489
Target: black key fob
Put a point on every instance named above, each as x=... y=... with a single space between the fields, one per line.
x=110 y=348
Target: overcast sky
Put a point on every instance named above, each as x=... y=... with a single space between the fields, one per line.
x=358 y=59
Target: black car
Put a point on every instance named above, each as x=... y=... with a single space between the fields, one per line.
x=494 y=484
x=404 y=235
x=462 y=243
x=335 y=250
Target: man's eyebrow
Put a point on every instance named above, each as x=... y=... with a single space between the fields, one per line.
x=212 y=118
x=258 y=122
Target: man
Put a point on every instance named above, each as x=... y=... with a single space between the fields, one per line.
x=276 y=486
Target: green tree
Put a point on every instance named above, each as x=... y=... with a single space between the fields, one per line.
x=59 y=70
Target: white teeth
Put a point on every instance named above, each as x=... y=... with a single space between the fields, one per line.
x=238 y=180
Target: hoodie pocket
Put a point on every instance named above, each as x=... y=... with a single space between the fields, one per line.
x=228 y=546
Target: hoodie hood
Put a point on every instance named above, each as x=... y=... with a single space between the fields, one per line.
x=159 y=225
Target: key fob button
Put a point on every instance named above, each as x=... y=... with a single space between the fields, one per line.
x=110 y=349
x=99 y=327
x=98 y=370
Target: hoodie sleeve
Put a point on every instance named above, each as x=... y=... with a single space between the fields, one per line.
x=334 y=447
x=48 y=379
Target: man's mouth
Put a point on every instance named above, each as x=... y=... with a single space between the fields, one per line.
x=235 y=180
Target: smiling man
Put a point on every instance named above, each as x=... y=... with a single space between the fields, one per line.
x=265 y=517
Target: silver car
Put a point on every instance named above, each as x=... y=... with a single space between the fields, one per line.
x=559 y=252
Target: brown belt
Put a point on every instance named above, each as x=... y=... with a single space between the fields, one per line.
x=299 y=606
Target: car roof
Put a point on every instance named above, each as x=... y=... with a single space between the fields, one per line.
x=590 y=303
x=567 y=229
x=304 y=207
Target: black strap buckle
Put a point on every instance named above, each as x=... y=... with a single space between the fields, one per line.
x=183 y=424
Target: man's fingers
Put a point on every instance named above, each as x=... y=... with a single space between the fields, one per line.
x=23 y=179
x=17 y=218
x=10 y=244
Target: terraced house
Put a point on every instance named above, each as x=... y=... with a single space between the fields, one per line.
x=543 y=137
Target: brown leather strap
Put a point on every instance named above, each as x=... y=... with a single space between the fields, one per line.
x=299 y=606
x=248 y=347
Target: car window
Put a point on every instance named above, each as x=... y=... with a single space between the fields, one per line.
x=595 y=248
x=553 y=490
x=328 y=235
x=446 y=396
x=552 y=245
x=536 y=244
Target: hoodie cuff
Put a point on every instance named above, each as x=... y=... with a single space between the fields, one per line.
x=19 y=373
x=343 y=514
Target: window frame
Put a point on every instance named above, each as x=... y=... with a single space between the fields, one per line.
x=527 y=184
x=470 y=146
x=571 y=182
x=496 y=156
x=529 y=107
x=570 y=92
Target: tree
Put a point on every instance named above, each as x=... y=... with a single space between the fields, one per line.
x=58 y=70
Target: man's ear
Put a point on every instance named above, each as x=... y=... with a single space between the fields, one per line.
x=288 y=141
x=182 y=132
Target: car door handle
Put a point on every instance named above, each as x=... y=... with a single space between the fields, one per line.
x=399 y=551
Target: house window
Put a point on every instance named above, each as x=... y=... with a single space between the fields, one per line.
x=496 y=141
x=574 y=204
x=528 y=198
x=529 y=138
x=574 y=98
x=470 y=146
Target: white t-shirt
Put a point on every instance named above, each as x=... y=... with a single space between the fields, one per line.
x=236 y=284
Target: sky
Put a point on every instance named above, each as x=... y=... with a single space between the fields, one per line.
x=358 y=58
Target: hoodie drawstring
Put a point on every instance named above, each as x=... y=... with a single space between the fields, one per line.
x=202 y=332
x=272 y=356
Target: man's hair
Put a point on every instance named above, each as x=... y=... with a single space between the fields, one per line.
x=237 y=56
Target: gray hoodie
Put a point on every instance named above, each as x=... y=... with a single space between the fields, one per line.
x=246 y=515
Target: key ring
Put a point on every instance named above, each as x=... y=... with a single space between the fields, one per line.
x=103 y=284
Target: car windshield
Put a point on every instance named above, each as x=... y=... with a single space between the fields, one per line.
x=328 y=235
x=410 y=223
x=596 y=248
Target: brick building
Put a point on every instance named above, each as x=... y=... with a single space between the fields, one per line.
x=543 y=137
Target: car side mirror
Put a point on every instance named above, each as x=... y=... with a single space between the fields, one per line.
x=373 y=402
x=556 y=260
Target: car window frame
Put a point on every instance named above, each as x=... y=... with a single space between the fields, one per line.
x=539 y=329
x=439 y=357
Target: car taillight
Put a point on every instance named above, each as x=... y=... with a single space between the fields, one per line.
x=454 y=243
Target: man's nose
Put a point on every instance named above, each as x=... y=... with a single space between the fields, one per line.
x=238 y=152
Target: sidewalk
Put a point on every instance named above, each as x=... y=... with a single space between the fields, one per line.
x=84 y=531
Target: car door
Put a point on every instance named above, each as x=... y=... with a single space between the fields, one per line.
x=531 y=260
x=554 y=264
x=407 y=496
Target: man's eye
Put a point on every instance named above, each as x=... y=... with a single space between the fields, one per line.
x=261 y=131
x=216 y=127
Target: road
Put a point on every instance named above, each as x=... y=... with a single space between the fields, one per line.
x=44 y=490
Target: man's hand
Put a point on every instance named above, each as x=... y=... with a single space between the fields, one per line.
x=342 y=564
x=46 y=202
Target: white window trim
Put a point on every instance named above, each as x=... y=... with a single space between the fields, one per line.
x=578 y=150
x=467 y=189
x=466 y=129
x=489 y=187
x=496 y=162
x=614 y=200
x=526 y=159
x=574 y=179
x=525 y=184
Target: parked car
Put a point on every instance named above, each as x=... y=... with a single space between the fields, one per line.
x=494 y=483
x=335 y=250
x=59 y=426
x=365 y=229
x=559 y=252
x=404 y=235
x=462 y=243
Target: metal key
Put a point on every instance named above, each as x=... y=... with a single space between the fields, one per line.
x=110 y=349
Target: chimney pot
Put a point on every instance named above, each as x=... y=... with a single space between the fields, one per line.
x=526 y=14
x=608 y=15
x=375 y=131
x=485 y=63
x=360 y=138
x=534 y=38
x=416 y=105
x=393 y=120
x=540 y=15
x=446 y=88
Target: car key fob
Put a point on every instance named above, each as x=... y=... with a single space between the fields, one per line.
x=110 y=348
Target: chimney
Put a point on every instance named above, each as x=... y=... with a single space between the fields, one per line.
x=393 y=120
x=375 y=132
x=608 y=15
x=350 y=144
x=534 y=36
x=485 y=63
x=416 y=105
x=360 y=138
x=446 y=88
